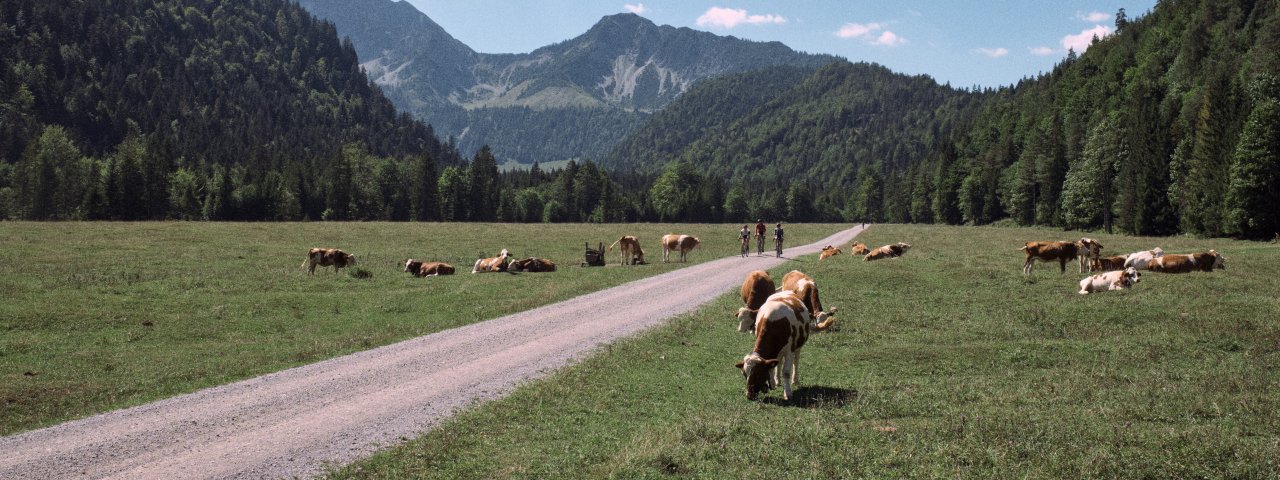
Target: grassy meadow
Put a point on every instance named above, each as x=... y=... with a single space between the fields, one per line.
x=99 y=316
x=946 y=363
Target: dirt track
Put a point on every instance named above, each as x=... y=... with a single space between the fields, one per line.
x=294 y=422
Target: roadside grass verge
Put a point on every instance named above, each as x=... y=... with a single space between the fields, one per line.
x=946 y=363
x=99 y=316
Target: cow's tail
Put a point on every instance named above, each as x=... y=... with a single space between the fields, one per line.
x=610 y=249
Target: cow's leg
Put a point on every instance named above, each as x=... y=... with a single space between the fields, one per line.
x=1026 y=266
x=1062 y=264
x=788 y=372
x=795 y=368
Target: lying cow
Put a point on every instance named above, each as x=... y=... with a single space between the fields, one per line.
x=630 y=250
x=681 y=243
x=1105 y=282
x=532 y=265
x=1173 y=263
x=887 y=251
x=492 y=264
x=783 y=326
x=1089 y=250
x=756 y=288
x=427 y=269
x=1061 y=252
x=1107 y=264
x=803 y=286
x=325 y=257
x=858 y=248
x=828 y=251
x=1140 y=260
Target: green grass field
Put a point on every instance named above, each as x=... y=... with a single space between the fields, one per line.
x=946 y=363
x=99 y=316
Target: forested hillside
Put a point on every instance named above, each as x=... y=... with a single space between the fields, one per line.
x=141 y=109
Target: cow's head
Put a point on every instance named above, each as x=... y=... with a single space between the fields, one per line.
x=1130 y=277
x=756 y=370
x=351 y=258
x=746 y=319
x=824 y=320
x=904 y=246
x=504 y=254
x=1157 y=252
x=411 y=265
x=1218 y=260
x=1089 y=246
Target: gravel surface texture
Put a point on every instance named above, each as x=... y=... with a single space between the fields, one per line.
x=295 y=422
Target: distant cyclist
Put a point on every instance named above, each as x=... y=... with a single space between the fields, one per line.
x=744 y=236
x=760 y=237
x=777 y=239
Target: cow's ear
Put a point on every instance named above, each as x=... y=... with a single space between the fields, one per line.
x=771 y=362
x=739 y=365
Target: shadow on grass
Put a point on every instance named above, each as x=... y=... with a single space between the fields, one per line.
x=816 y=397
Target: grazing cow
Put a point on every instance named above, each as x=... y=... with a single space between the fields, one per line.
x=1089 y=250
x=858 y=248
x=756 y=288
x=803 y=286
x=533 y=265
x=1062 y=252
x=1203 y=261
x=887 y=251
x=492 y=264
x=783 y=326
x=828 y=251
x=681 y=243
x=1140 y=260
x=629 y=250
x=1103 y=282
x=1107 y=264
x=427 y=269
x=325 y=257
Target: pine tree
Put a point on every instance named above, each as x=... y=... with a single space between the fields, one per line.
x=426 y=197
x=1253 y=199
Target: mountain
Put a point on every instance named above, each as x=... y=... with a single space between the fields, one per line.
x=603 y=83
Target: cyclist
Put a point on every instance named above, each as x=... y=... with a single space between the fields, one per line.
x=777 y=239
x=744 y=236
x=760 y=237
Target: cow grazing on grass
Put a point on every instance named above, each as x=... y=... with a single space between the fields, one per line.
x=1089 y=250
x=858 y=248
x=427 y=269
x=629 y=249
x=888 y=251
x=1061 y=252
x=532 y=265
x=783 y=326
x=325 y=257
x=804 y=287
x=492 y=264
x=1173 y=263
x=1107 y=264
x=756 y=288
x=1140 y=260
x=828 y=251
x=1105 y=282
x=680 y=243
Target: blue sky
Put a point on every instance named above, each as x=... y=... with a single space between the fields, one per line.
x=989 y=43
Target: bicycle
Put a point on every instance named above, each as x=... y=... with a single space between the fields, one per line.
x=746 y=246
x=778 y=246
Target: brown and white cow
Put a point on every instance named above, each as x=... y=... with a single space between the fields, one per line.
x=756 y=288
x=1061 y=252
x=532 y=265
x=888 y=251
x=1174 y=263
x=1088 y=250
x=681 y=243
x=325 y=257
x=629 y=249
x=1140 y=260
x=1105 y=282
x=828 y=251
x=803 y=286
x=1107 y=264
x=858 y=248
x=427 y=269
x=783 y=326
x=492 y=264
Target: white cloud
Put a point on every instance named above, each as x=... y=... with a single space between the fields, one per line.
x=732 y=17
x=993 y=52
x=1093 y=17
x=855 y=30
x=1042 y=51
x=889 y=39
x=637 y=9
x=867 y=32
x=1080 y=42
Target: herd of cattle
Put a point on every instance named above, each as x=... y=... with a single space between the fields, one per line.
x=894 y=250
x=782 y=320
x=1121 y=271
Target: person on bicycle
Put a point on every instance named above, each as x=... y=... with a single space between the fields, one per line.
x=744 y=237
x=760 y=237
x=777 y=239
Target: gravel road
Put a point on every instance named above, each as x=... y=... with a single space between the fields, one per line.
x=295 y=422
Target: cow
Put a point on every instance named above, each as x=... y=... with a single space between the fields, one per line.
x=1062 y=252
x=887 y=251
x=858 y=248
x=1173 y=263
x=532 y=265
x=1104 y=282
x=681 y=243
x=325 y=257
x=1089 y=250
x=828 y=251
x=803 y=286
x=1140 y=260
x=783 y=326
x=427 y=269
x=492 y=264
x=756 y=288
x=1107 y=264
x=630 y=250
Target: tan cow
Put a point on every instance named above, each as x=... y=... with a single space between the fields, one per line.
x=1173 y=263
x=783 y=326
x=887 y=251
x=532 y=265
x=858 y=248
x=1061 y=252
x=682 y=243
x=325 y=257
x=756 y=288
x=492 y=264
x=1107 y=264
x=803 y=286
x=427 y=269
x=1089 y=250
x=828 y=251
x=630 y=250
x=1105 y=282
